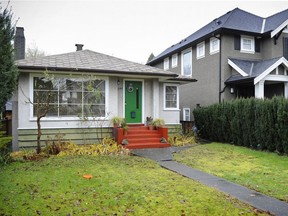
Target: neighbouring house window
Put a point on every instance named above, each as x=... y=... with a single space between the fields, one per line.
x=166 y=63
x=186 y=114
x=247 y=44
x=70 y=97
x=187 y=62
x=171 y=96
x=201 y=50
x=214 y=45
x=174 y=60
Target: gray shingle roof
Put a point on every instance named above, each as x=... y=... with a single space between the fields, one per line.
x=235 y=20
x=89 y=61
x=252 y=68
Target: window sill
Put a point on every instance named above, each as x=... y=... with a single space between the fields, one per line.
x=247 y=51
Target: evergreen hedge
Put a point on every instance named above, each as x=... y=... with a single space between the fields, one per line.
x=255 y=123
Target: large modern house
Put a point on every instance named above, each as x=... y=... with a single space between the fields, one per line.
x=238 y=54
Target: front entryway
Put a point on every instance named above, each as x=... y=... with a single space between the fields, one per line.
x=133 y=101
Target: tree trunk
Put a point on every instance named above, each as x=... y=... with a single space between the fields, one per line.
x=39 y=135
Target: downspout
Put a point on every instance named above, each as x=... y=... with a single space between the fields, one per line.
x=219 y=72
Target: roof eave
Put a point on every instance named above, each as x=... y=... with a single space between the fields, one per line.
x=98 y=71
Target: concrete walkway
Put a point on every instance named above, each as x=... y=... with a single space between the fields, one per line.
x=164 y=157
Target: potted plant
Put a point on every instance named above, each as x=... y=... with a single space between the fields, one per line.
x=116 y=121
x=158 y=122
x=125 y=127
x=149 y=122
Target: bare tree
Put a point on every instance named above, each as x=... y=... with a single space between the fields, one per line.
x=34 y=52
x=78 y=97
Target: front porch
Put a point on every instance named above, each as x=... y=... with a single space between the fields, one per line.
x=140 y=137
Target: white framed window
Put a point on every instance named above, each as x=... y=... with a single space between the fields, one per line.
x=200 y=50
x=174 y=60
x=171 y=94
x=247 y=44
x=166 y=63
x=186 y=68
x=186 y=114
x=214 y=45
x=69 y=97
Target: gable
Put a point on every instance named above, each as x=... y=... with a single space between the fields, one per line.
x=254 y=69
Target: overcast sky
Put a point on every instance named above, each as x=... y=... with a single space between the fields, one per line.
x=130 y=29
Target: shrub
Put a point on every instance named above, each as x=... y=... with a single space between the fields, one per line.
x=4 y=149
x=181 y=140
x=255 y=123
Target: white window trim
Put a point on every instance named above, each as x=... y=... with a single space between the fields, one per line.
x=184 y=116
x=31 y=95
x=166 y=63
x=242 y=49
x=175 y=62
x=182 y=65
x=198 y=56
x=164 y=96
x=213 y=51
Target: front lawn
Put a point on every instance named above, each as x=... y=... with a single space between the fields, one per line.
x=121 y=185
x=262 y=171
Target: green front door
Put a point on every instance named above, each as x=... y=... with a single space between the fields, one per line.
x=133 y=101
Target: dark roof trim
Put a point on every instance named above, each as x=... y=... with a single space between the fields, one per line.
x=95 y=71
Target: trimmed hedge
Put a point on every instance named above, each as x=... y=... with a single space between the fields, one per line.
x=254 y=123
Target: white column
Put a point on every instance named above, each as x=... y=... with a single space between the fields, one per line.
x=156 y=99
x=286 y=90
x=259 y=89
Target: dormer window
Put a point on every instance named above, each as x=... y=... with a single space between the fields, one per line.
x=247 y=44
x=166 y=63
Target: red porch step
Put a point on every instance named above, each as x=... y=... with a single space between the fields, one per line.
x=139 y=136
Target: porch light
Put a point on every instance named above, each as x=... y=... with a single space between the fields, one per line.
x=232 y=90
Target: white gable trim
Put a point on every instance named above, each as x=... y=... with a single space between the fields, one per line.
x=270 y=69
x=279 y=28
x=263 y=25
x=239 y=70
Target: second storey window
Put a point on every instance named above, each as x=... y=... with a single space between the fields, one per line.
x=174 y=60
x=200 y=50
x=166 y=63
x=247 y=44
x=187 y=62
x=171 y=96
x=214 y=45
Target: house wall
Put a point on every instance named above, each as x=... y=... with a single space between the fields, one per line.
x=272 y=50
x=88 y=131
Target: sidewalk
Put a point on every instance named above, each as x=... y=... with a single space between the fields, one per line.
x=164 y=157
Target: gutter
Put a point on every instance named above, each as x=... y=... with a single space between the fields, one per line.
x=99 y=71
x=220 y=91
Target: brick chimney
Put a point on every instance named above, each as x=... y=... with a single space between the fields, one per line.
x=79 y=47
x=19 y=43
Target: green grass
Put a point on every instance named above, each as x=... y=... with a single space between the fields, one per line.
x=121 y=185
x=262 y=171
